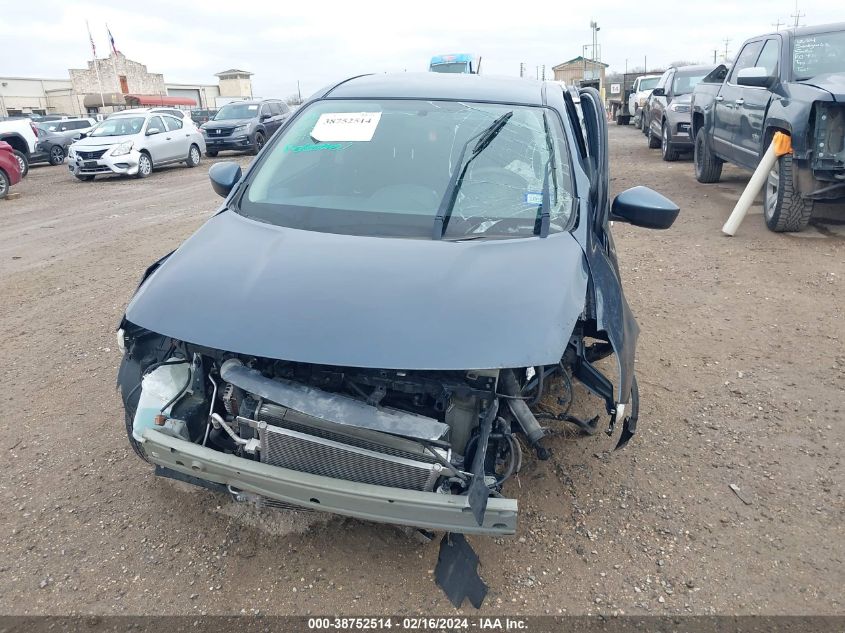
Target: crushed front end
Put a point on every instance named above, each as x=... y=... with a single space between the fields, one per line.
x=428 y=449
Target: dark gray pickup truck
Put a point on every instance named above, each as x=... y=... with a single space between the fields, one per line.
x=791 y=81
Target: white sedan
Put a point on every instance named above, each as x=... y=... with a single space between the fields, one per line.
x=134 y=144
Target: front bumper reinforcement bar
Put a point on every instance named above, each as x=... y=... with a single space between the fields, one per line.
x=430 y=510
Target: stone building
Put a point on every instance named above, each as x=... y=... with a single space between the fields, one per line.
x=122 y=83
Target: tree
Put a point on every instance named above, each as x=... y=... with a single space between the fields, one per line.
x=294 y=100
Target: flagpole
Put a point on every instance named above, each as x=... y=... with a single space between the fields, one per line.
x=96 y=65
x=114 y=60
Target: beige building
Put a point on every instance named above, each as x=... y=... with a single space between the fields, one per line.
x=582 y=72
x=121 y=83
x=235 y=83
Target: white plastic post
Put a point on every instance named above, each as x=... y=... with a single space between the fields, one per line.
x=758 y=179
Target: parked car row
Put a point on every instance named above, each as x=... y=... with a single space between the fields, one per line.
x=133 y=142
x=792 y=82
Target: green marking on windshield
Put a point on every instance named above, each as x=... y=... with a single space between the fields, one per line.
x=315 y=147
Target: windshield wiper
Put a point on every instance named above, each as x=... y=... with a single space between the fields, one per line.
x=485 y=137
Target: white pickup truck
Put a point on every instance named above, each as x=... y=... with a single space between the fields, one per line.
x=22 y=135
x=639 y=95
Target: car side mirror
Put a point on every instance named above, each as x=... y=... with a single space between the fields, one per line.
x=644 y=207
x=756 y=77
x=153 y=130
x=80 y=136
x=224 y=176
x=658 y=92
x=264 y=117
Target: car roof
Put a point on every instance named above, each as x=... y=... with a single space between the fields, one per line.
x=250 y=101
x=439 y=86
x=705 y=68
x=808 y=30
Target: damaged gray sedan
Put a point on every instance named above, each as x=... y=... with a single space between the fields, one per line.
x=367 y=324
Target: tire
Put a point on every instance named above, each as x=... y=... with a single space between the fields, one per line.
x=708 y=167
x=145 y=166
x=57 y=155
x=87 y=178
x=621 y=120
x=667 y=150
x=194 y=156
x=23 y=162
x=210 y=153
x=4 y=184
x=653 y=141
x=258 y=143
x=784 y=210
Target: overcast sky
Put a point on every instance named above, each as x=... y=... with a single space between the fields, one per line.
x=320 y=41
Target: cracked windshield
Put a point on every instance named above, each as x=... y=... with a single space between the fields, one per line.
x=391 y=167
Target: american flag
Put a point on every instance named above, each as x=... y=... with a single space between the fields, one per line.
x=111 y=39
x=91 y=39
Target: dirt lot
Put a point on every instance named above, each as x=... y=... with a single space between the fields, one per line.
x=742 y=374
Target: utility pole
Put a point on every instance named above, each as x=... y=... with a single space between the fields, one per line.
x=797 y=15
x=778 y=24
x=714 y=55
x=522 y=69
x=544 y=72
x=727 y=41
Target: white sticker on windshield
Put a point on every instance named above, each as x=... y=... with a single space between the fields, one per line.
x=346 y=126
x=252 y=107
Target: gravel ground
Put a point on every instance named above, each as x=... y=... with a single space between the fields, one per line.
x=729 y=500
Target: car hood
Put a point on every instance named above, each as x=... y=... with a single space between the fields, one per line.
x=687 y=99
x=834 y=83
x=227 y=124
x=243 y=286
x=101 y=141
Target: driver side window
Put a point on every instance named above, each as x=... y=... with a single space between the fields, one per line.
x=156 y=123
x=746 y=59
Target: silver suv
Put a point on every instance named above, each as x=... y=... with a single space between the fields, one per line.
x=133 y=144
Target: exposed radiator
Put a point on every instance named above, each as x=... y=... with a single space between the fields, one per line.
x=292 y=440
x=319 y=456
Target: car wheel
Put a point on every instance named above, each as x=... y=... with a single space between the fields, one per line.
x=783 y=208
x=57 y=155
x=210 y=153
x=643 y=123
x=259 y=143
x=653 y=141
x=193 y=156
x=145 y=166
x=23 y=162
x=670 y=154
x=84 y=178
x=4 y=184
x=708 y=167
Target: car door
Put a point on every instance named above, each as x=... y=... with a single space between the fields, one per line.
x=266 y=119
x=157 y=141
x=726 y=109
x=753 y=103
x=657 y=103
x=277 y=118
x=179 y=137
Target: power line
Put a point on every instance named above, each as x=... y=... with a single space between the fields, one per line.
x=797 y=15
